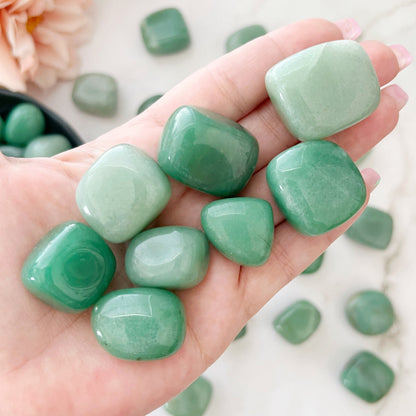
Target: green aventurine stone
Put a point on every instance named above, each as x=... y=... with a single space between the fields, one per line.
x=169 y=257
x=1 y=127
x=367 y=376
x=316 y=186
x=165 y=32
x=241 y=334
x=23 y=123
x=96 y=94
x=193 y=401
x=373 y=228
x=242 y=229
x=122 y=192
x=207 y=151
x=324 y=89
x=147 y=103
x=298 y=322
x=12 y=151
x=70 y=268
x=370 y=312
x=139 y=323
x=315 y=266
x=47 y=146
x=243 y=36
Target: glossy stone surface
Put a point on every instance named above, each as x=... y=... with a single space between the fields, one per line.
x=242 y=229
x=122 y=192
x=193 y=401
x=244 y=35
x=314 y=266
x=70 y=268
x=298 y=322
x=370 y=312
x=168 y=257
x=12 y=151
x=367 y=376
x=47 y=146
x=96 y=93
x=139 y=323
x=165 y=32
x=373 y=228
x=242 y=333
x=316 y=186
x=207 y=151
x=147 y=103
x=324 y=89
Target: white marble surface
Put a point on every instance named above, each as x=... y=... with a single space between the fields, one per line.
x=261 y=374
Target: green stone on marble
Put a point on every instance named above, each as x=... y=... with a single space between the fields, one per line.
x=165 y=32
x=373 y=228
x=193 y=401
x=12 y=151
x=241 y=334
x=139 y=323
x=207 y=151
x=367 y=376
x=122 y=192
x=147 y=103
x=69 y=268
x=244 y=35
x=47 y=146
x=314 y=266
x=324 y=89
x=96 y=93
x=298 y=322
x=370 y=312
x=170 y=257
x=316 y=186
x=242 y=229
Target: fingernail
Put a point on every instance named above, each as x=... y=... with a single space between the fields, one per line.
x=398 y=95
x=349 y=28
x=404 y=58
x=371 y=178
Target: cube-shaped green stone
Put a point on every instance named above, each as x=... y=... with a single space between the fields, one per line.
x=244 y=35
x=314 y=266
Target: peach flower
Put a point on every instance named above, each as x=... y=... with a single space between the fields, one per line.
x=38 y=40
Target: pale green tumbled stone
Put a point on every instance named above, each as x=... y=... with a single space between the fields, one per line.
x=47 y=146
x=12 y=151
x=244 y=35
x=147 y=103
x=122 y=192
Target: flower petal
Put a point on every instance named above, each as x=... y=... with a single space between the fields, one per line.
x=45 y=77
x=54 y=55
x=40 y=6
x=67 y=18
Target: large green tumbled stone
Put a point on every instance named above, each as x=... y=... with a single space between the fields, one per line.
x=47 y=146
x=147 y=103
x=165 y=32
x=373 y=228
x=314 y=266
x=324 y=89
x=193 y=401
x=207 y=151
x=70 y=268
x=298 y=322
x=370 y=312
x=169 y=257
x=316 y=186
x=242 y=229
x=139 y=323
x=12 y=151
x=367 y=376
x=122 y=192
x=244 y=35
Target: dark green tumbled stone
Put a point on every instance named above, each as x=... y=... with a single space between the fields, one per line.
x=1 y=128
x=315 y=266
x=242 y=333
x=47 y=146
x=244 y=35
x=12 y=151
x=147 y=103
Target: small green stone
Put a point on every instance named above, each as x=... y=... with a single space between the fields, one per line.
x=207 y=151
x=370 y=312
x=70 y=268
x=298 y=322
x=193 y=401
x=242 y=229
x=147 y=103
x=243 y=36
x=12 y=151
x=374 y=228
x=241 y=334
x=122 y=192
x=315 y=266
x=139 y=323
x=367 y=377
x=47 y=146
x=168 y=257
x=23 y=123
x=96 y=94
x=324 y=89
x=316 y=186
x=165 y=32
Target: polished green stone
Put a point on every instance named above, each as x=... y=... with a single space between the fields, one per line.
x=23 y=123
x=370 y=312
x=171 y=257
x=242 y=229
x=70 y=268
x=165 y=32
x=373 y=228
x=324 y=89
x=147 y=103
x=96 y=93
x=298 y=322
x=193 y=401
x=242 y=333
x=367 y=376
x=207 y=151
x=122 y=192
x=12 y=151
x=314 y=266
x=47 y=146
x=316 y=186
x=244 y=35
x=139 y=323
x=1 y=128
